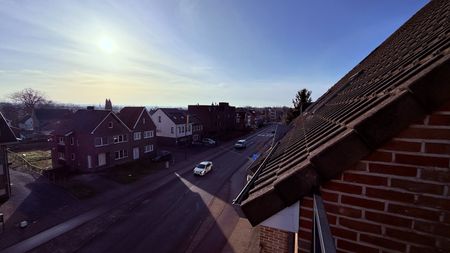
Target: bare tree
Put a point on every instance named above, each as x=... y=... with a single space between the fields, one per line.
x=29 y=98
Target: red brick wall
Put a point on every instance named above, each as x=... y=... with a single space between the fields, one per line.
x=273 y=240
x=395 y=200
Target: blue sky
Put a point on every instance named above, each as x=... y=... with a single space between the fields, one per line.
x=180 y=52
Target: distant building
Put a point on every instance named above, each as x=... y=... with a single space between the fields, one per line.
x=43 y=121
x=241 y=114
x=108 y=105
x=6 y=137
x=173 y=126
x=197 y=129
x=216 y=119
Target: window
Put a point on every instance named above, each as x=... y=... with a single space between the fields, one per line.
x=123 y=153
x=148 y=148
x=182 y=129
x=148 y=134
x=61 y=140
x=61 y=155
x=137 y=136
x=72 y=156
x=120 y=138
x=110 y=124
x=143 y=121
x=101 y=141
x=72 y=141
x=171 y=130
x=159 y=119
x=179 y=129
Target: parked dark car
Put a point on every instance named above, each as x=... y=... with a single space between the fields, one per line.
x=163 y=156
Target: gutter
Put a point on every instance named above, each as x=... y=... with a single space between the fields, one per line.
x=249 y=185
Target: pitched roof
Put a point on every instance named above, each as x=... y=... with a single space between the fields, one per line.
x=399 y=82
x=84 y=121
x=6 y=134
x=178 y=116
x=52 y=113
x=130 y=115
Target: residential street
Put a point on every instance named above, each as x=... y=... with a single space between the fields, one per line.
x=190 y=214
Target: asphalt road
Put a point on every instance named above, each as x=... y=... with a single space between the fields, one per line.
x=190 y=214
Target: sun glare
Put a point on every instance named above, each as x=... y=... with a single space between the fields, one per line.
x=107 y=45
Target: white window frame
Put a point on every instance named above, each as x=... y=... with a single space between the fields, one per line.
x=101 y=141
x=120 y=138
x=148 y=148
x=121 y=154
x=148 y=134
x=137 y=136
x=61 y=141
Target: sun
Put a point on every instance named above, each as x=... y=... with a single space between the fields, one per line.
x=107 y=45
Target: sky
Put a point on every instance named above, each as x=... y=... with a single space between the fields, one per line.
x=179 y=52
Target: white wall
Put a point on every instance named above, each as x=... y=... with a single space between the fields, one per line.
x=163 y=127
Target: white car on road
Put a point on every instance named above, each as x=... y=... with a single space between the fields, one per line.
x=202 y=168
x=240 y=144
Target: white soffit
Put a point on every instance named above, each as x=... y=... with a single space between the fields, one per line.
x=286 y=219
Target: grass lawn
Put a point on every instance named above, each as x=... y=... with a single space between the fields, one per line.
x=131 y=172
x=38 y=158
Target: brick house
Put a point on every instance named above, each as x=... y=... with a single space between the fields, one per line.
x=143 y=139
x=172 y=126
x=241 y=115
x=197 y=129
x=216 y=119
x=91 y=140
x=6 y=137
x=367 y=167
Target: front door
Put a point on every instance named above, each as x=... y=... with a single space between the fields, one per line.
x=101 y=159
x=135 y=153
x=89 y=162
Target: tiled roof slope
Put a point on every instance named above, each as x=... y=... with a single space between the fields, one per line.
x=178 y=116
x=82 y=121
x=52 y=113
x=6 y=134
x=407 y=76
x=129 y=115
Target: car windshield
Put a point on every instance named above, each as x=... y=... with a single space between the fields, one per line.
x=201 y=166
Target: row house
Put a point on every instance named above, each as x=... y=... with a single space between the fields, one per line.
x=173 y=126
x=366 y=167
x=93 y=140
x=6 y=137
x=197 y=129
x=216 y=119
x=143 y=130
x=241 y=115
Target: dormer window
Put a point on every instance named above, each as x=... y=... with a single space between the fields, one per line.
x=110 y=124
